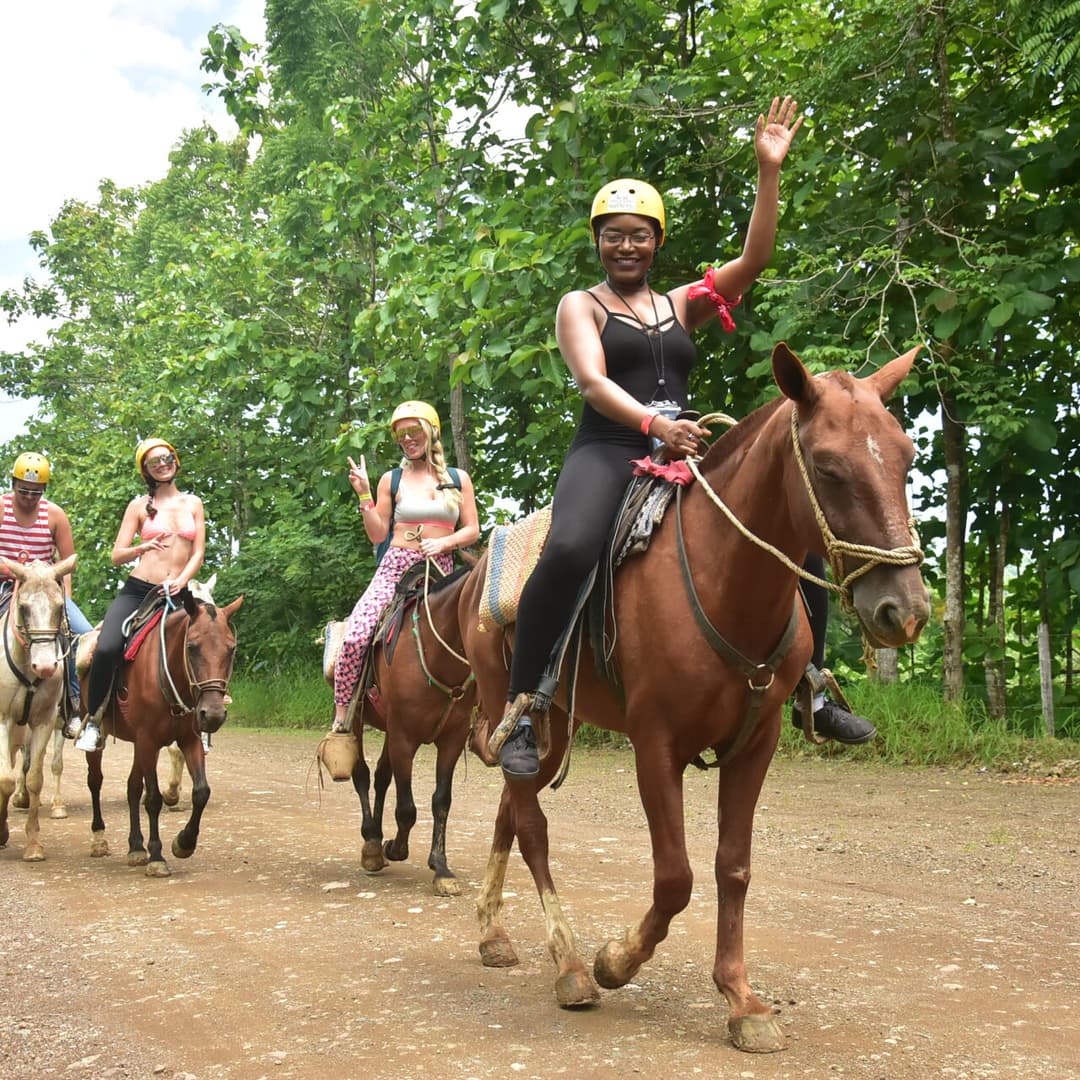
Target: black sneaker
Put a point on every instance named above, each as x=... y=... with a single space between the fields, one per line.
x=833 y=721
x=518 y=756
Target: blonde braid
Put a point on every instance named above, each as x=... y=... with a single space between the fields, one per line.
x=451 y=494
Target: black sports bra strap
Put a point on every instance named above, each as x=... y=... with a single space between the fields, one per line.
x=589 y=292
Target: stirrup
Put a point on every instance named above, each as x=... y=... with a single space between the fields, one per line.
x=514 y=712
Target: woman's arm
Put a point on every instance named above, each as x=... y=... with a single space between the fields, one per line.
x=376 y=515
x=123 y=550
x=772 y=140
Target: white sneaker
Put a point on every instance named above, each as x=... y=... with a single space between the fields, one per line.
x=90 y=739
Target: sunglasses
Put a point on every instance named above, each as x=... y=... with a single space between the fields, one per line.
x=415 y=432
x=161 y=459
x=639 y=238
x=30 y=493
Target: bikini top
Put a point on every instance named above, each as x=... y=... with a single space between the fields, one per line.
x=181 y=524
x=410 y=511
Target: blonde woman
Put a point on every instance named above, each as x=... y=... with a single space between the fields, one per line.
x=422 y=510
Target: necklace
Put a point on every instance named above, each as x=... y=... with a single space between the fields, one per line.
x=650 y=332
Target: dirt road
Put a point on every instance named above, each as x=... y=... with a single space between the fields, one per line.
x=906 y=924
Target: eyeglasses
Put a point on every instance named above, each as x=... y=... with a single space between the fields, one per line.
x=30 y=493
x=161 y=459
x=639 y=238
x=415 y=432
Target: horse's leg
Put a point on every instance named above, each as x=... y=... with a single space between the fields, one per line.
x=187 y=839
x=170 y=794
x=496 y=949
x=400 y=757
x=20 y=800
x=448 y=752
x=372 y=858
x=660 y=784
x=147 y=754
x=34 y=752
x=59 y=808
x=8 y=776
x=136 y=855
x=98 y=844
x=752 y=1023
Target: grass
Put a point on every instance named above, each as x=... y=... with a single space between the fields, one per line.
x=914 y=726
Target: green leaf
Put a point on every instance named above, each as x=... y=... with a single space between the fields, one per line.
x=1000 y=314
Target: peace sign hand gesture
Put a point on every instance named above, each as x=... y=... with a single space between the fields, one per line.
x=774 y=136
x=358 y=477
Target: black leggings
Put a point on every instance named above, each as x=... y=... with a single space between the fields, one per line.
x=587 y=497
x=591 y=486
x=110 y=644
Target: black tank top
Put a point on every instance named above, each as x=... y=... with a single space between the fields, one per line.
x=632 y=355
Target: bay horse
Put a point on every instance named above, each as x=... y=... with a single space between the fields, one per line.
x=423 y=694
x=699 y=616
x=31 y=682
x=173 y=690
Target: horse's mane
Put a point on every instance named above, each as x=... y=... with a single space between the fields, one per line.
x=743 y=433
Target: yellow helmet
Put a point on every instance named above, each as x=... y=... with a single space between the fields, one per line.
x=628 y=196
x=146 y=446
x=31 y=467
x=417 y=410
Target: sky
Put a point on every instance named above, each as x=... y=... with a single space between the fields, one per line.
x=94 y=89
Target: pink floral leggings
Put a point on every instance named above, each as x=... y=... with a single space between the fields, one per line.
x=361 y=624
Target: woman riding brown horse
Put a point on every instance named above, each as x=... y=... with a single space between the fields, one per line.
x=711 y=639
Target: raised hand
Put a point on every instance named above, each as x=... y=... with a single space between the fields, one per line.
x=774 y=135
x=358 y=477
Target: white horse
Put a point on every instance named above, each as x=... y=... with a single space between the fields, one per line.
x=31 y=682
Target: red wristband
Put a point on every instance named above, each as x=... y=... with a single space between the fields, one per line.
x=646 y=422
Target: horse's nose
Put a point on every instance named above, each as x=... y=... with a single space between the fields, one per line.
x=211 y=718
x=901 y=623
x=44 y=670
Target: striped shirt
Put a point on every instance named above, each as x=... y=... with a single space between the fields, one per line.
x=21 y=544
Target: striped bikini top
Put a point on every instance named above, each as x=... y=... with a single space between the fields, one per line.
x=21 y=544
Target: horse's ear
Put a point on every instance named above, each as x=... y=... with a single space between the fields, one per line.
x=64 y=566
x=16 y=569
x=191 y=605
x=889 y=376
x=791 y=375
x=230 y=609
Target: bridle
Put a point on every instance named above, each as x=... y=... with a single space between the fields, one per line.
x=28 y=636
x=835 y=549
x=177 y=705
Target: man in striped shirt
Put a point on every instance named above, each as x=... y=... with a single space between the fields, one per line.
x=32 y=527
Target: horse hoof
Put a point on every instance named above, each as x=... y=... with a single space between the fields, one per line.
x=34 y=853
x=21 y=802
x=181 y=852
x=371 y=857
x=58 y=813
x=137 y=858
x=575 y=990
x=497 y=952
x=158 y=869
x=446 y=886
x=613 y=967
x=98 y=848
x=170 y=798
x=395 y=852
x=757 y=1033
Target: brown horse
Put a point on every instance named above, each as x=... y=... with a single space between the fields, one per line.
x=164 y=702
x=31 y=682
x=700 y=616
x=425 y=695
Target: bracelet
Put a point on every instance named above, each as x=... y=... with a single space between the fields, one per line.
x=646 y=422
x=367 y=503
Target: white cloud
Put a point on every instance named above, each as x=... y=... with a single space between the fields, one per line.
x=94 y=89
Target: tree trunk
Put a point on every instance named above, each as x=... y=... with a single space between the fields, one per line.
x=888 y=666
x=994 y=664
x=955 y=523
